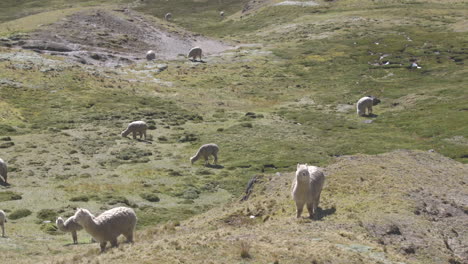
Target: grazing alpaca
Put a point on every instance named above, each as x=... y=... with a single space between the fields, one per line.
x=205 y=151
x=150 y=55
x=69 y=226
x=194 y=53
x=139 y=127
x=306 y=188
x=3 y=220
x=168 y=16
x=221 y=14
x=108 y=225
x=366 y=103
x=3 y=170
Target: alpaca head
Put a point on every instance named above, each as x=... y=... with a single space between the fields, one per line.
x=375 y=100
x=302 y=173
x=82 y=215
x=193 y=159
x=59 y=221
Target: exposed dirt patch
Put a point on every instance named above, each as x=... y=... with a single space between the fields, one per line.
x=254 y=5
x=115 y=37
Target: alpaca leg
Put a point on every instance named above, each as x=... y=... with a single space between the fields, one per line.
x=206 y=160
x=75 y=237
x=113 y=242
x=317 y=200
x=134 y=134
x=215 y=158
x=103 y=246
x=3 y=230
x=311 y=209
x=299 y=207
x=370 y=110
x=144 y=134
x=129 y=236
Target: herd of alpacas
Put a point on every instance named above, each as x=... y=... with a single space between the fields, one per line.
x=108 y=226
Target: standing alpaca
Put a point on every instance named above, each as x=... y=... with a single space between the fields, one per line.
x=136 y=127
x=306 y=188
x=108 y=225
x=3 y=170
x=194 y=53
x=205 y=151
x=221 y=14
x=168 y=16
x=69 y=226
x=366 y=103
x=2 y=222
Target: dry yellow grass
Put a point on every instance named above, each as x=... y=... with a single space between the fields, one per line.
x=264 y=230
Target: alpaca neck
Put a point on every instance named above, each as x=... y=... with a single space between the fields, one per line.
x=60 y=225
x=90 y=223
x=302 y=184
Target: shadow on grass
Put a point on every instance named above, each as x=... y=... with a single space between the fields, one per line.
x=91 y=241
x=200 y=61
x=214 y=166
x=324 y=213
x=3 y=183
x=145 y=141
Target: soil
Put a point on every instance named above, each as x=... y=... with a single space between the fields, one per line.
x=109 y=38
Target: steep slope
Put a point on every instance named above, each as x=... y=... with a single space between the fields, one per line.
x=388 y=208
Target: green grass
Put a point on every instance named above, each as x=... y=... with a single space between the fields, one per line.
x=11 y=10
x=20 y=213
x=190 y=14
x=9 y=195
x=268 y=107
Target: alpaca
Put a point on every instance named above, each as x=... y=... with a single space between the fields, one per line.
x=194 y=53
x=306 y=188
x=168 y=16
x=366 y=103
x=205 y=151
x=221 y=14
x=3 y=170
x=69 y=226
x=150 y=55
x=108 y=225
x=136 y=127
x=3 y=220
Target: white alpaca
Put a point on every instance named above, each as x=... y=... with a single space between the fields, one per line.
x=3 y=220
x=69 y=226
x=205 y=151
x=194 y=53
x=221 y=14
x=139 y=127
x=150 y=55
x=108 y=225
x=366 y=103
x=3 y=170
x=306 y=188
x=168 y=16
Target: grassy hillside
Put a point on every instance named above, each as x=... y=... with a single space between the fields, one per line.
x=284 y=95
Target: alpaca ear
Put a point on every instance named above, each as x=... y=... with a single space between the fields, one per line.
x=298 y=166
